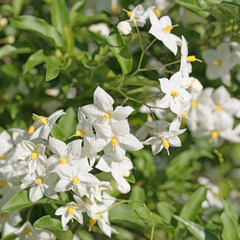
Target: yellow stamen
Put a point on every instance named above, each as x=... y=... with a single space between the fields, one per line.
x=193 y=59
x=194 y=104
x=214 y=134
x=175 y=93
x=216 y=195
x=99 y=190
x=2 y=156
x=184 y=114
x=63 y=160
x=218 y=108
x=78 y=133
x=168 y=28
x=4 y=215
x=92 y=222
x=75 y=181
x=114 y=142
x=217 y=63
x=2 y=184
x=42 y=119
x=71 y=211
x=149 y=118
x=27 y=231
x=39 y=181
x=129 y=13
x=106 y=116
x=158 y=12
x=34 y=155
x=31 y=129
x=166 y=145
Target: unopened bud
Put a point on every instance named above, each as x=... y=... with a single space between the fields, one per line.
x=196 y=86
x=124 y=28
x=3 y=22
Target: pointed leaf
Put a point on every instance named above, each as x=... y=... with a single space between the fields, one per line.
x=53 y=67
x=9 y=50
x=166 y=210
x=41 y=28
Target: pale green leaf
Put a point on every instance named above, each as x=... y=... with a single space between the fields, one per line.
x=9 y=50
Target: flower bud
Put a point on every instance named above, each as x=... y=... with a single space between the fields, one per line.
x=185 y=82
x=196 y=86
x=124 y=28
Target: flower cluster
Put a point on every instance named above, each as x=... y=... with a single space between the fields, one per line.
x=48 y=166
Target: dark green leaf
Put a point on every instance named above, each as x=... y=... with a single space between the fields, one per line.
x=76 y=12
x=166 y=211
x=53 y=225
x=59 y=14
x=196 y=229
x=88 y=63
x=57 y=132
x=120 y=51
x=41 y=28
x=34 y=60
x=193 y=205
x=9 y=237
x=9 y=50
x=131 y=178
x=53 y=67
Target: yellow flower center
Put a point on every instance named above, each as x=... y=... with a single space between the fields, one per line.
x=31 y=129
x=217 y=63
x=216 y=195
x=191 y=58
x=194 y=104
x=218 y=108
x=75 y=181
x=92 y=222
x=114 y=142
x=2 y=184
x=106 y=116
x=2 y=156
x=63 y=160
x=78 y=133
x=214 y=134
x=4 y=215
x=27 y=231
x=70 y=211
x=42 y=119
x=129 y=13
x=184 y=114
x=165 y=143
x=168 y=28
x=99 y=190
x=158 y=12
x=175 y=93
x=34 y=155
x=39 y=181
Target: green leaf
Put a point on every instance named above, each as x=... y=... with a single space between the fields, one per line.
x=140 y=81
x=120 y=51
x=130 y=178
x=70 y=38
x=20 y=200
x=166 y=211
x=196 y=229
x=89 y=63
x=34 y=60
x=76 y=12
x=53 y=67
x=229 y=220
x=53 y=225
x=17 y=7
x=67 y=123
x=137 y=196
x=58 y=132
x=41 y=28
x=193 y=205
x=59 y=14
x=9 y=237
x=9 y=50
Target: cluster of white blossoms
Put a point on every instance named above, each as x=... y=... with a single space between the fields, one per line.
x=47 y=166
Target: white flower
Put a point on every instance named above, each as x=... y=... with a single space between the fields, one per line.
x=175 y=95
x=219 y=63
x=45 y=125
x=5 y=143
x=76 y=178
x=161 y=30
x=98 y=212
x=100 y=28
x=118 y=169
x=124 y=27
x=34 y=155
x=102 y=109
x=117 y=138
x=138 y=16
x=166 y=139
x=27 y=231
x=72 y=211
x=40 y=185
